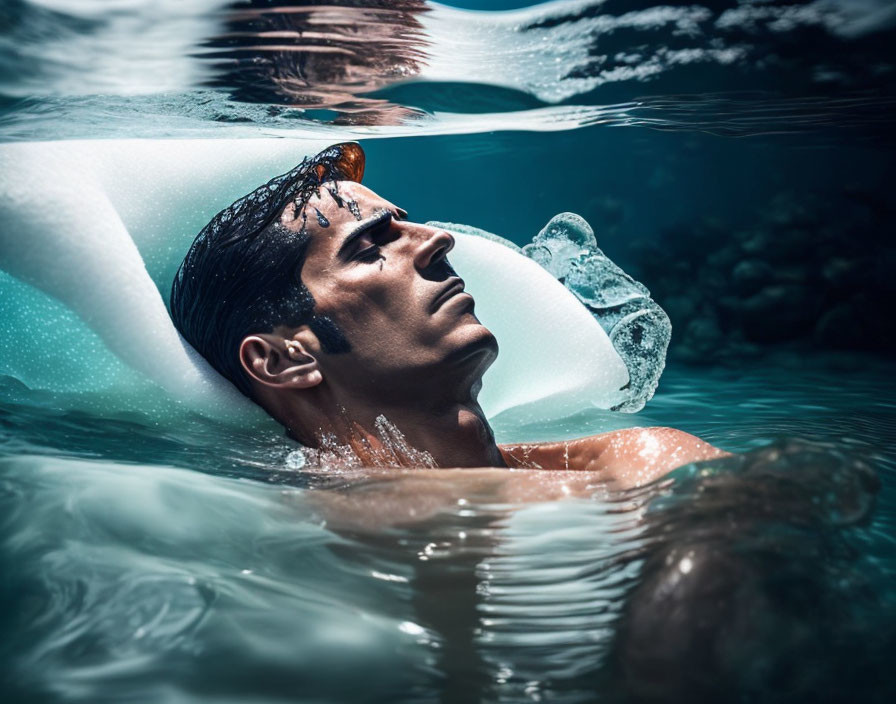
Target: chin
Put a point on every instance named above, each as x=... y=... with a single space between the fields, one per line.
x=475 y=345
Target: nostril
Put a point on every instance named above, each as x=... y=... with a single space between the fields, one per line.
x=446 y=246
x=435 y=248
x=444 y=243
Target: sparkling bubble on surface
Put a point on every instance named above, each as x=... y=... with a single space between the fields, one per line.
x=638 y=328
x=295 y=460
x=411 y=628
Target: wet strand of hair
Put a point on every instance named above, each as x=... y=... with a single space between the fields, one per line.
x=311 y=189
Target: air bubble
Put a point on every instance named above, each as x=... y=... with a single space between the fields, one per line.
x=295 y=460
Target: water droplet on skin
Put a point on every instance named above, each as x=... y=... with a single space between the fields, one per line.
x=321 y=219
x=334 y=192
x=396 y=449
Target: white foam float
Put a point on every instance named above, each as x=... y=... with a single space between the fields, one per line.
x=101 y=226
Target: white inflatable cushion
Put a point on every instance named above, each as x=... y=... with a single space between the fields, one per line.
x=86 y=222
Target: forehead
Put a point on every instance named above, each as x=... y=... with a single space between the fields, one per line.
x=335 y=206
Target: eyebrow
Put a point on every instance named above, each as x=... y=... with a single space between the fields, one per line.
x=384 y=216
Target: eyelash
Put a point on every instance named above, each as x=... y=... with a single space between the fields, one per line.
x=371 y=254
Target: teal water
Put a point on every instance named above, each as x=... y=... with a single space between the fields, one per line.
x=179 y=560
x=152 y=553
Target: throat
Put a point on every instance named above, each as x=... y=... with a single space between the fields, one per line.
x=459 y=436
x=463 y=438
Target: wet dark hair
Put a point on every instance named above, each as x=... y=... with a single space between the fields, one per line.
x=242 y=274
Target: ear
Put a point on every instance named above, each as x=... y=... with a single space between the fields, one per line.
x=278 y=362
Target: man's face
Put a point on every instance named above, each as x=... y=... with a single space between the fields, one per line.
x=387 y=284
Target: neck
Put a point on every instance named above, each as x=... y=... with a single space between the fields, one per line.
x=452 y=434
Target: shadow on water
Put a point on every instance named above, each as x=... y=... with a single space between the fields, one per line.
x=756 y=584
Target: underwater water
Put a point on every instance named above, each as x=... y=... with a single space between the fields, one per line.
x=734 y=157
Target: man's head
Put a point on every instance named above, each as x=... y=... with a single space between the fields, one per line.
x=313 y=288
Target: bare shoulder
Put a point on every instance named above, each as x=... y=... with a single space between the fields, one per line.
x=636 y=456
x=625 y=458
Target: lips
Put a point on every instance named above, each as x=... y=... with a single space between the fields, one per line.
x=454 y=286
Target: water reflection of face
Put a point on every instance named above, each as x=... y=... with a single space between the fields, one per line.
x=386 y=282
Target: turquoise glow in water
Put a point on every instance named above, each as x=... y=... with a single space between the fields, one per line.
x=737 y=158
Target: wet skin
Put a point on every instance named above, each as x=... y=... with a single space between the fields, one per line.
x=417 y=351
x=387 y=284
x=417 y=355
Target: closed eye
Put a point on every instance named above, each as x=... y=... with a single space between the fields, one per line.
x=371 y=254
x=366 y=233
x=375 y=237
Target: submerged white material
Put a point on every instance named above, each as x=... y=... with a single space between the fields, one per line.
x=552 y=351
x=101 y=226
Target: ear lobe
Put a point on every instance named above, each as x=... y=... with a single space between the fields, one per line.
x=278 y=363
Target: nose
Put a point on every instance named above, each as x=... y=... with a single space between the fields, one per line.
x=433 y=248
